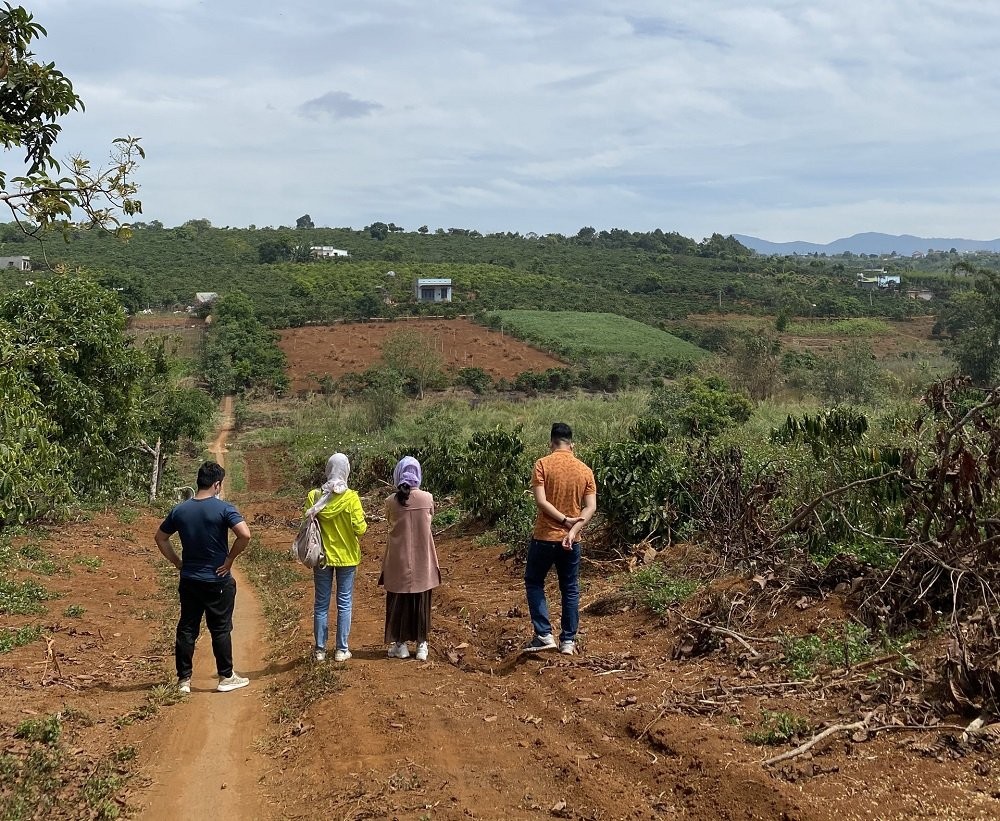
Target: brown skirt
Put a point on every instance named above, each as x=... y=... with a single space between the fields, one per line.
x=407 y=616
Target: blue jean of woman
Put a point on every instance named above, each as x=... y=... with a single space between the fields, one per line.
x=323 y=577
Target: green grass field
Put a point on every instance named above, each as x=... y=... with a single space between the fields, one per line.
x=575 y=335
x=861 y=327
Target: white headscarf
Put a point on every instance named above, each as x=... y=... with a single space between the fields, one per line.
x=338 y=468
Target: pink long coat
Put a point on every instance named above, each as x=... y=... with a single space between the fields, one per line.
x=410 y=563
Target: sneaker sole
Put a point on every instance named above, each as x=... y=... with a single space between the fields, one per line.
x=228 y=688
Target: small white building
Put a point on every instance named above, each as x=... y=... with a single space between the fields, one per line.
x=433 y=290
x=206 y=297
x=880 y=280
x=17 y=263
x=327 y=252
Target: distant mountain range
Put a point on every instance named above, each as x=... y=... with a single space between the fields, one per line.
x=870 y=243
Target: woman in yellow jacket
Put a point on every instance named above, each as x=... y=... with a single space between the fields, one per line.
x=341 y=521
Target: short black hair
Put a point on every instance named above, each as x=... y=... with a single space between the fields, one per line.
x=209 y=473
x=561 y=432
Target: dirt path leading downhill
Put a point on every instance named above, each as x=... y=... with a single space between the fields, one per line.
x=205 y=760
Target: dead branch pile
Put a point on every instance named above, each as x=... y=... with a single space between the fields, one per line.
x=951 y=568
x=734 y=508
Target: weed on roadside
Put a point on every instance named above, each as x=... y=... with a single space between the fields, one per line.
x=22 y=598
x=46 y=730
x=32 y=556
x=487 y=539
x=777 y=727
x=29 y=777
x=274 y=574
x=160 y=695
x=312 y=682
x=41 y=773
x=446 y=518
x=74 y=611
x=90 y=562
x=654 y=588
x=18 y=637
x=844 y=646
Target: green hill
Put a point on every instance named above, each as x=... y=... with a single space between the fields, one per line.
x=650 y=277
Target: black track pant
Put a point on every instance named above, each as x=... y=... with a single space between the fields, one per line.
x=215 y=601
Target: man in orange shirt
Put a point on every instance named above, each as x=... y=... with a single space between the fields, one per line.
x=566 y=498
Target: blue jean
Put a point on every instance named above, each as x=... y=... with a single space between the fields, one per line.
x=323 y=577
x=541 y=557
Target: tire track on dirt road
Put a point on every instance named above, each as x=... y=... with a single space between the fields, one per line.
x=204 y=761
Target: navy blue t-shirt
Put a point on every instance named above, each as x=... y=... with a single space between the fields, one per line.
x=203 y=525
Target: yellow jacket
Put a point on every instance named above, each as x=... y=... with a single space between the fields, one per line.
x=341 y=522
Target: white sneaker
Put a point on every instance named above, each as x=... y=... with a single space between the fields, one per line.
x=319 y=656
x=538 y=643
x=233 y=682
x=422 y=651
x=567 y=648
x=184 y=685
x=342 y=655
x=399 y=651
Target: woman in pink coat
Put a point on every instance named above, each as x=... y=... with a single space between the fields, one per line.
x=410 y=566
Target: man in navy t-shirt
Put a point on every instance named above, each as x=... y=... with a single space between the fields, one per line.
x=206 y=586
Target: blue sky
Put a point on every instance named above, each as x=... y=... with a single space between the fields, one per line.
x=785 y=120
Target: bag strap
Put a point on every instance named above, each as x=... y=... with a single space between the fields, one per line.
x=317 y=507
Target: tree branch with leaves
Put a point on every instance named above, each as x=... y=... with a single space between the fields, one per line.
x=34 y=95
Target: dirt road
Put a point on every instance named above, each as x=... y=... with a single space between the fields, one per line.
x=205 y=760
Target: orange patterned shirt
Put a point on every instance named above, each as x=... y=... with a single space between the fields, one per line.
x=566 y=481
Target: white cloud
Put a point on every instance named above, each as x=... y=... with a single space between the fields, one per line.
x=790 y=121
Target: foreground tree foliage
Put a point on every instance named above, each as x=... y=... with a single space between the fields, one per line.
x=78 y=399
x=973 y=319
x=34 y=95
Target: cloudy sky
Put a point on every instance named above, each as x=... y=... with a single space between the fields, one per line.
x=786 y=120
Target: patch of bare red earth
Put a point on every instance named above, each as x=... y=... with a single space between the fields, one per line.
x=317 y=351
x=96 y=667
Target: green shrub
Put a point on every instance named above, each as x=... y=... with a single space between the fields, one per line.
x=852 y=376
x=493 y=476
x=446 y=518
x=699 y=406
x=640 y=489
x=474 y=378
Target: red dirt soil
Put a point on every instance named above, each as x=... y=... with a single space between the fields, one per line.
x=334 y=350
